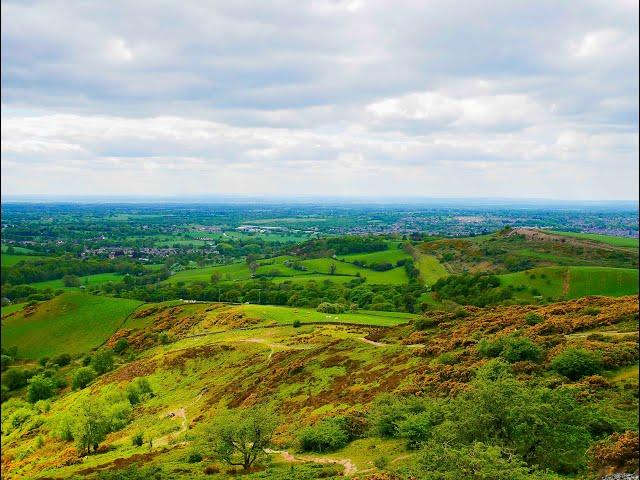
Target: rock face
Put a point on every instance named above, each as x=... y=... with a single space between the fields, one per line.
x=621 y=476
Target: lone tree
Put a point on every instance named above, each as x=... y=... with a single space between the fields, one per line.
x=90 y=426
x=240 y=437
x=332 y=269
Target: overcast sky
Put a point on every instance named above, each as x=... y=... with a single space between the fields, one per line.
x=414 y=98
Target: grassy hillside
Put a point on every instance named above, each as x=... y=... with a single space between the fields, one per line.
x=573 y=282
x=609 y=239
x=70 y=323
x=319 y=373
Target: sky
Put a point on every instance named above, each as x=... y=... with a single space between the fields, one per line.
x=525 y=99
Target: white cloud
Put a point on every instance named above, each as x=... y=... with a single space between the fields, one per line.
x=338 y=96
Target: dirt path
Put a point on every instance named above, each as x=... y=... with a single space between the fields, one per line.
x=566 y=283
x=164 y=440
x=349 y=467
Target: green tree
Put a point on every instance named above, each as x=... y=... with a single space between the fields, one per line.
x=240 y=437
x=90 y=426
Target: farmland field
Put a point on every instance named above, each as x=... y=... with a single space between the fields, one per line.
x=91 y=280
x=70 y=323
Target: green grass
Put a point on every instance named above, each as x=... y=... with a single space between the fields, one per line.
x=574 y=282
x=392 y=255
x=15 y=307
x=610 y=239
x=602 y=281
x=91 y=280
x=23 y=250
x=287 y=315
x=8 y=260
x=70 y=323
x=431 y=270
x=233 y=271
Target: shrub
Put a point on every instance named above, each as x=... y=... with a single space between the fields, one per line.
x=518 y=349
x=576 y=363
x=39 y=388
x=417 y=428
x=513 y=348
x=449 y=358
x=14 y=379
x=297 y=324
x=460 y=313
x=381 y=462
x=533 y=318
x=138 y=439
x=326 y=436
x=619 y=451
x=62 y=360
x=326 y=307
x=102 y=362
x=83 y=377
x=194 y=457
x=6 y=361
x=423 y=323
x=121 y=345
x=474 y=462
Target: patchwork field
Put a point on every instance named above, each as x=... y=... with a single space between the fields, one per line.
x=317 y=269
x=70 y=323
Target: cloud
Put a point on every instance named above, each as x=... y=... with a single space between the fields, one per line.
x=337 y=96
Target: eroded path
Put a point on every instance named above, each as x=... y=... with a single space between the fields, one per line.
x=349 y=467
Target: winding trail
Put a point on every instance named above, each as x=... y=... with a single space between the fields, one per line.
x=349 y=467
x=164 y=440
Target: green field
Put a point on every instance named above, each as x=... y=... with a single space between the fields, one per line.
x=392 y=255
x=574 y=282
x=430 y=268
x=610 y=239
x=70 y=323
x=287 y=315
x=9 y=260
x=91 y=280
